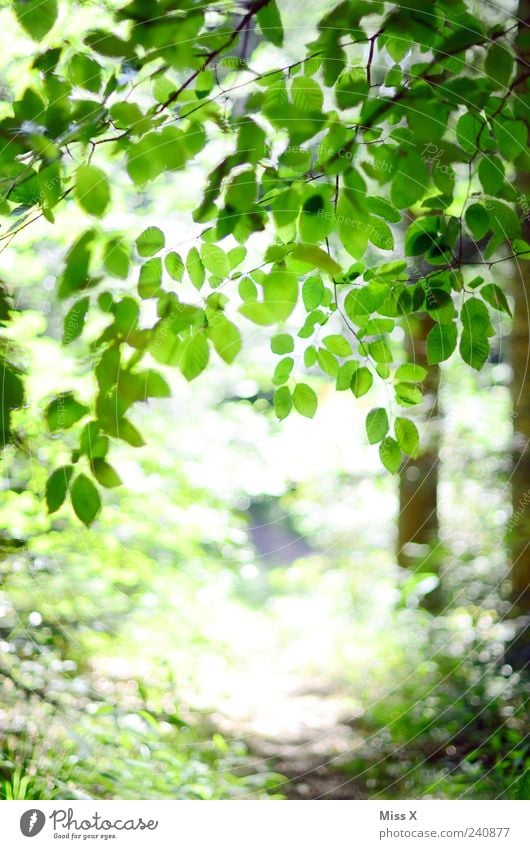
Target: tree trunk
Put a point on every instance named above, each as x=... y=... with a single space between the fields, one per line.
x=418 y=515
x=518 y=537
x=519 y=530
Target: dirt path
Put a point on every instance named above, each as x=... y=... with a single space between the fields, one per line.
x=303 y=731
x=313 y=770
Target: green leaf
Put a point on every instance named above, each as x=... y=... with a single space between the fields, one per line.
x=280 y=291
x=226 y=338
x=282 y=343
x=204 y=83
x=380 y=206
x=150 y=279
x=361 y=381
x=215 y=260
x=241 y=193
x=153 y=385
x=308 y=327
x=379 y=326
x=129 y=116
x=126 y=314
x=411 y=373
x=248 y=291
x=511 y=137
x=521 y=248
x=64 y=411
x=468 y=128
x=441 y=342
x=145 y=158
x=344 y=375
x=85 y=72
x=283 y=402
x=107 y=44
x=174 y=265
x=57 y=487
x=438 y=301
x=327 y=362
x=410 y=180
x=74 y=320
x=475 y=316
x=270 y=23
x=11 y=398
x=283 y=370
x=37 y=17
x=193 y=355
x=150 y=242
x=92 y=443
x=474 y=346
x=380 y=234
x=338 y=345
x=312 y=293
x=408 y=395
x=376 y=425
x=495 y=297
x=351 y=88
x=125 y=430
x=380 y=352
x=394 y=76
x=92 y=189
x=316 y=218
x=504 y=221
x=477 y=219
x=390 y=455
x=117 y=258
x=108 y=368
x=195 y=268
x=236 y=256
x=499 y=64
x=307 y=94
x=105 y=474
x=491 y=174
x=315 y=257
x=85 y=499
x=359 y=304
x=352 y=218
x=310 y=356
x=407 y=436
x=421 y=235
x=305 y=400
x=258 y=313
x=276 y=253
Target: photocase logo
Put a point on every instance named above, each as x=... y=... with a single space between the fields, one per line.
x=32 y=822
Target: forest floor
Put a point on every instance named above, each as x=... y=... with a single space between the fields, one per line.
x=302 y=729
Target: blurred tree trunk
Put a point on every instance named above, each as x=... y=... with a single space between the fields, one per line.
x=519 y=537
x=518 y=652
x=418 y=484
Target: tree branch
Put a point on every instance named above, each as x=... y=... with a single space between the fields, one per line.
x=254 y=9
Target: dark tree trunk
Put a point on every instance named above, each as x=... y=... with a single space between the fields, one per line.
x=518 y=537
x=418 y=484
x=519 y=530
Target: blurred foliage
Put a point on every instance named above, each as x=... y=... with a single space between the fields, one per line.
x=139 y=643
x=242 y=552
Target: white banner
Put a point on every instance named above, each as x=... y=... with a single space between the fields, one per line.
x=265 y=825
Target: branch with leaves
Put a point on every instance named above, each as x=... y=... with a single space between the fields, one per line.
x=368 y=162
